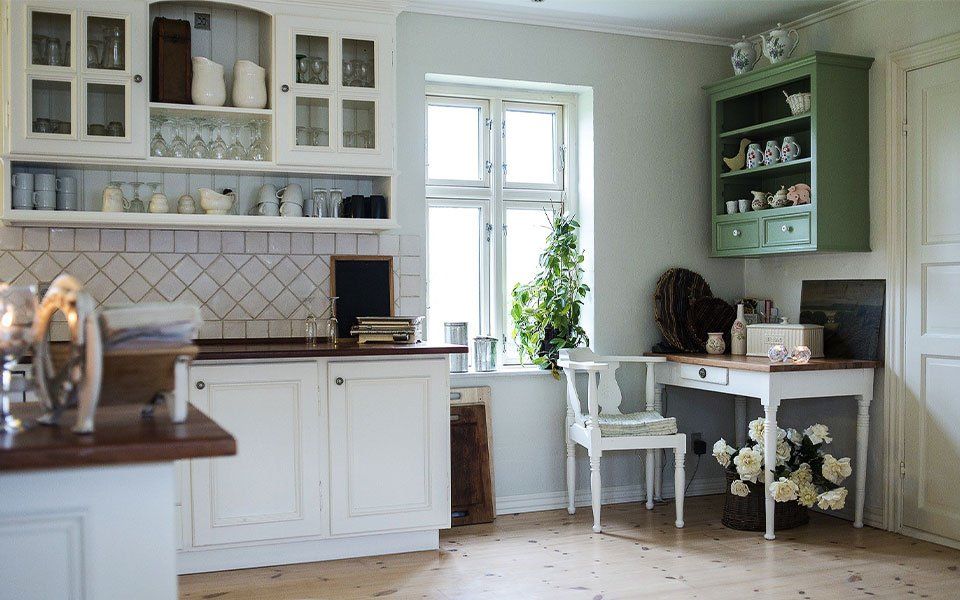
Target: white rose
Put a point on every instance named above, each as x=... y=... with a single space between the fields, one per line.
x=722 y=452
x=756 y=428
x=794 y=436
x=836 y=470
x=748 y=462
x=833 y=500
x=739 y=488
x=818 y=434
x=783 y=452
x=803 y=475
x=784 y=490
x=807 y=496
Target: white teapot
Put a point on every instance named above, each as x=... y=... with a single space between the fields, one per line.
x=778 y=46
x=744 y=57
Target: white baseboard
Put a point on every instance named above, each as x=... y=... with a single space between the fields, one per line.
x=611 y=495
x=930 y=537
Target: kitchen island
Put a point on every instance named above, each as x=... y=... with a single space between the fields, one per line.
x=89 y=516
x=343 y=450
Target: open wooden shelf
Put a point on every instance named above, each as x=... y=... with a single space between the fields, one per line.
x=168 y=108
x=773 y=127
x=798 y=165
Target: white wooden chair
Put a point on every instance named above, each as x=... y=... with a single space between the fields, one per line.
x=604 y=427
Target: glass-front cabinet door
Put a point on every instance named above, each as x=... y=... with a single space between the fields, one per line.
x=83 y=78
x=333 y=79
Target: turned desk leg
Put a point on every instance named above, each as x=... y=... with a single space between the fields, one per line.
x=769 y=460
x=571 y=465
x=863 y=436
x=740 y=420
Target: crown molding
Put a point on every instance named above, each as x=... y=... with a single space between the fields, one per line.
x=561 y=20
x=821 y=15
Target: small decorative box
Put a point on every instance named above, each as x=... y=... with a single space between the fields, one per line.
x=763 y=335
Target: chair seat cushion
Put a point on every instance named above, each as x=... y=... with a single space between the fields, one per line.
x=648 y=422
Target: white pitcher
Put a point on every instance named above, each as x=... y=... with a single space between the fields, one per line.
x=249 y=85
x=208 y=87
x=778 y=45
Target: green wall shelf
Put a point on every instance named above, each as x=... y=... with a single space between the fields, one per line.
x=834 y=158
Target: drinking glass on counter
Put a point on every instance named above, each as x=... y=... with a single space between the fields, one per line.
x=18 y=304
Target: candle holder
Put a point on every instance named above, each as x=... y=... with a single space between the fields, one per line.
x=18 y=304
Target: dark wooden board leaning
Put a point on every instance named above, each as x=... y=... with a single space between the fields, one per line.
x=364 y=287
x=471 y=483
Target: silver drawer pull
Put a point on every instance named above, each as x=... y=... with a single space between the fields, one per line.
x=736 y=233
x=786 y=228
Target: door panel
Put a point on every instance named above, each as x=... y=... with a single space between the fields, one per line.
x=932 y=344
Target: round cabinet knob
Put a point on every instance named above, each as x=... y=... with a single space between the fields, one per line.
x=284 y=88
x=339 y=380
x=201 y=385
x=786 y=228
x=138 y=78
x=702 y=373
x=736 y=233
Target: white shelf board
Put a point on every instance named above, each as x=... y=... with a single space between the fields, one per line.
x=233 y=111
x=110 y=220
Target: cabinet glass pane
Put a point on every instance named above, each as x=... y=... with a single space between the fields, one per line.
x=51 y=106
x=313 y=122
x=358 y=63
x=454 y=142
x=106 y=43
x=106 y=110
x=313 y=60
x=51 y=38
x=454 y=253
x=359 y=124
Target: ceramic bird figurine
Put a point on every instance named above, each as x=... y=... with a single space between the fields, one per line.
x=736 y=163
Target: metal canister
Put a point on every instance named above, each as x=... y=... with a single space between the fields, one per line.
x=484 y=353
x=456 y=333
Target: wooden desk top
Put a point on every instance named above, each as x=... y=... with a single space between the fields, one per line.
x=763 y=364
x=122 y=437
x=297 y=348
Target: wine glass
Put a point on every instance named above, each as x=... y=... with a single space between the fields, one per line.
x=236 y=151
x=348 y=72
x=303 y=68
x=18 y=303
x=218 y=147
x=198 y=148
x=258 y=148
x=178 y=146
x=158 y=146
x=318 y=67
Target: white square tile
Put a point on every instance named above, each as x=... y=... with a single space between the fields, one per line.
x=136 y=287
x=87 y=239
x=367 y=244
x=302 y=286
x=301 y=243
x=412 y=307
x=221 y=270
x=234 y=329
x=278 y=243
x=232 y=242
x=211 y=330
x=324 y=243
x=280 y=329
x=256 y=242
x=410 y=285
x=81 y=268
x=187 y=270
x=410 y=265
x=286 y=271
x=220 y=303
x=237 y=286
x=185 y=241
x=100 y=287
x=152 y=270
x=346 y=243
x=253 y=271
x=318 y=271
x=11 y=238
x=170 y=287
x=410 y=245
x=113 y=240
x=62 y=239
x=36 y=238
x=256 y=329
x=254 y=303
x=138 y=240
x=389 y=245
x=63 y=258
x=286 y=303
x=209 y=241
x=135 y=259
x=269 y=286
x=45 y=268
x=161 y=241
x=117 y=269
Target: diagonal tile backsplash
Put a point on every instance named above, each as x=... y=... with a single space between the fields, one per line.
x=247 y=284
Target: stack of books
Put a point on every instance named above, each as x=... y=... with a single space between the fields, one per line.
x=395 y=330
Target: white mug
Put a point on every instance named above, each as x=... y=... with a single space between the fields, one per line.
x=22 y=198
x=22 y=181
x=45 y=181
x=292 y=193
x=289 y=209
x=66 y=201
x=268 y=209
x=731 y=207
x=44 y=199
x=268 y=193
x=67 y=185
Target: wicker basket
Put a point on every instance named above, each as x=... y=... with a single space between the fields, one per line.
x=746 y=513
x=799 y=103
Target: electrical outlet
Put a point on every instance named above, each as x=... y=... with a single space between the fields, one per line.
x=699 y=446
x=201 y=21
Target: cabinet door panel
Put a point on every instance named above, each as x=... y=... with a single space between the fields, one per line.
x=389 y=445
x=270 y=489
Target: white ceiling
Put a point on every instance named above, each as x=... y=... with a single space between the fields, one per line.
x=716 y=19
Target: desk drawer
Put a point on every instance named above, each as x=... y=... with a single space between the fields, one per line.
x=716 y=375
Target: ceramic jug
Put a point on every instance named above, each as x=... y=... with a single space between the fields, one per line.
x=249 y=85
x=771 y=155
x=715 y=343
x=754 y=156
x=113 y=200
x=790 y=149
x=208 y=88
x=777 y=45
x=744 y=57
x=759 y=200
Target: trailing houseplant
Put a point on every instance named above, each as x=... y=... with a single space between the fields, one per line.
x=546 y=311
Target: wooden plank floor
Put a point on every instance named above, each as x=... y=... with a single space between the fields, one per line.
x=552 y=555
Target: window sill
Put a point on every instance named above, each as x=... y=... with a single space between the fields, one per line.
x=504 y=371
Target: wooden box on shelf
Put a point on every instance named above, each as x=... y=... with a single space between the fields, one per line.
x=833 y=160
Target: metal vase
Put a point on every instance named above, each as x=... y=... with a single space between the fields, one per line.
x=456 y=333
x=484 y=353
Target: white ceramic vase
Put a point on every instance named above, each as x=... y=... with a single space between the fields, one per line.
x=208 y=87
x=715 y=343
x=249 y=85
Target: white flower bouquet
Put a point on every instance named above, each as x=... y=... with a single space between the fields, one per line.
x=803 y=472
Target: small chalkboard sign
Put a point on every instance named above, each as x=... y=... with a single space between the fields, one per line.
x=363 y=286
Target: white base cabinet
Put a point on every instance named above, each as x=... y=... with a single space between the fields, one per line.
x=335 y=458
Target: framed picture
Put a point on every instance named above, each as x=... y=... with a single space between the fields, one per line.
x=851 y=312
x=363 y=286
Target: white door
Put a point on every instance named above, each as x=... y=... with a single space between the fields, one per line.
x=389 y=445
x=932 y=356
x=271 y=488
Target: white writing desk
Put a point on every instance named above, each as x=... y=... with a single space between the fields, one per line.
x=754 y=377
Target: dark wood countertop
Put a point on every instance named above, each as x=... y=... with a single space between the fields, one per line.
x=297 y=348
x=763 y=364
x=122 y=437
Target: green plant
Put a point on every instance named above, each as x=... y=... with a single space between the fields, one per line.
x=546 y=311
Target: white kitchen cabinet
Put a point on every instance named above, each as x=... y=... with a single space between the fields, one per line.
x=69 y=93
x=335 y=92
x=271 y=488
x=389 y=432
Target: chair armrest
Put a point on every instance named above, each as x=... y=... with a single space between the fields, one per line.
x=590 y=367
x=633 y=359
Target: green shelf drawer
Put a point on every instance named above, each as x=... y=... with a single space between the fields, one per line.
x=738 y=235
x=793 y=230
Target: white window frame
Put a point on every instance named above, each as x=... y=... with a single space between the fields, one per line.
x=494 y=198
x=483 y=168
x=558 y=159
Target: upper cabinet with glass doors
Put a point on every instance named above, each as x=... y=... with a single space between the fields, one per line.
x=335 y=79
x=77 y=82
